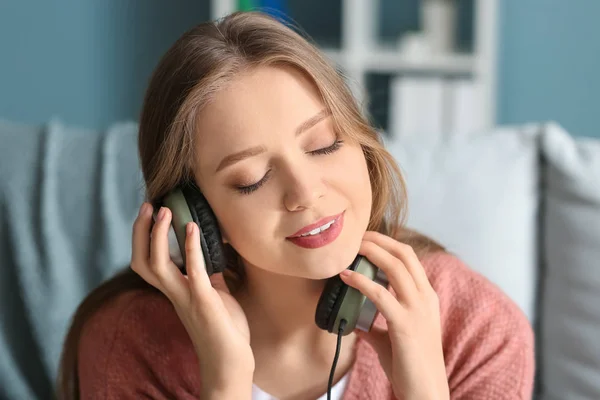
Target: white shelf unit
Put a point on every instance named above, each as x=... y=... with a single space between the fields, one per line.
x=390 y=61
x=360 y=53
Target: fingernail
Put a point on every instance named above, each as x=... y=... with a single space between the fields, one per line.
x=161 y=213
x=142 y=209
x=189 y=229
x=346 y=273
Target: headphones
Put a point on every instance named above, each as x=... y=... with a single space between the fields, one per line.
x=337 y=302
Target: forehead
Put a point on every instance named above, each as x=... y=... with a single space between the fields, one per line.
x=252 y=110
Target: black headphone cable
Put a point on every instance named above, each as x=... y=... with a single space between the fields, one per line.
x=343 y=323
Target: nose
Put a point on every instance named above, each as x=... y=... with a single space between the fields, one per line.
x=304 y=188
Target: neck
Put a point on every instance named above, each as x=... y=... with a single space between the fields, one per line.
x=281 y=311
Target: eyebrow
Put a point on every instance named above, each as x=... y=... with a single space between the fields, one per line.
x=254 y=151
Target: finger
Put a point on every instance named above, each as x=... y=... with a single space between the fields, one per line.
x=394 y=269
x=141 y=234
x=404 y=253
x=385 y=302
x=217 y=280
x=140 y=249
x=379 y=339
x=174 y=284
x=195 y=264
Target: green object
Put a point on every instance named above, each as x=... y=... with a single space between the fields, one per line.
x=175 y=201
x=247 y=5
x=354 y=300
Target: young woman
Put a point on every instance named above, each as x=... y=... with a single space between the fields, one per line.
x=254 y=115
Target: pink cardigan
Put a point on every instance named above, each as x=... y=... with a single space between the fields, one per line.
x=136 y=347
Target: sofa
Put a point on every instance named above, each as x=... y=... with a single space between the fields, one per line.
x=519 y=204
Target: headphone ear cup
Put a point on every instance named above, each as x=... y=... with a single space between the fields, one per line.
x=326 y=313
x=331 y=300
x=181 y=216
x=339 y=301
x=210 y=235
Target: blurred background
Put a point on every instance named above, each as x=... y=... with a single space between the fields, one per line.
x=490 y=108
x=88 y=61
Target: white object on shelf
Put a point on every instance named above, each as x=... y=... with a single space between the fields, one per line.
x=414 y=45
x=438 y=19
x=466 y=116
x=220 y=8
x=359 y=24
x=417 y=107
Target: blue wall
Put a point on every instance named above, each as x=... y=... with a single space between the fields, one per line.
x=549 y=63
x=86 y=62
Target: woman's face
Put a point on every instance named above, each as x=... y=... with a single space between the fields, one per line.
x=271 y=164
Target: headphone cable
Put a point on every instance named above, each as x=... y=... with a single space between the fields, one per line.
x=335 y=359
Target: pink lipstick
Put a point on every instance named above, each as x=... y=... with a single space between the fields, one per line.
x=319 y=234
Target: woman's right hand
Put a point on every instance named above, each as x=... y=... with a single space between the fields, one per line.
x=214 y=320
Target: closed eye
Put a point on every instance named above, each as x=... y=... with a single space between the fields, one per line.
x=247 y=189
x=329 y=149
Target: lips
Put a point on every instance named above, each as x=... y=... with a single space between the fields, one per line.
x=317 y=224
x=323 y=238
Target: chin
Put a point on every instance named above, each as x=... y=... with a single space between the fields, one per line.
x=333 y=261
x=328 y=267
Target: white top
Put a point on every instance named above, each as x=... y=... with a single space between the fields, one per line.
x=336 y=391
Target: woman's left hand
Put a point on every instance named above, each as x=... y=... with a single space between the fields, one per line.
x=410 y=350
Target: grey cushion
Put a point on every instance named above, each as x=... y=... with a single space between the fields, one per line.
x=570 y=324
x=478 y=195
x=68 y=198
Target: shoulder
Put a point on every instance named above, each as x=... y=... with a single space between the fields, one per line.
x=466 y=294
x=134 y=344
x=488 y=341
x=137 y=314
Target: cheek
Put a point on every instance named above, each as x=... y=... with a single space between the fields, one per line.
x=353 y=172
x=234 y=220
x=250 y=232
x=358 y=187
x=242 y=222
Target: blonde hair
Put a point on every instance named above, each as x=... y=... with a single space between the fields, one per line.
x=199 y=64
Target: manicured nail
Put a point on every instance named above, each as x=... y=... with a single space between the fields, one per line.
x=346 y=273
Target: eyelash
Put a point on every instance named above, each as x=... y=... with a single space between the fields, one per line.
x=255 y=186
